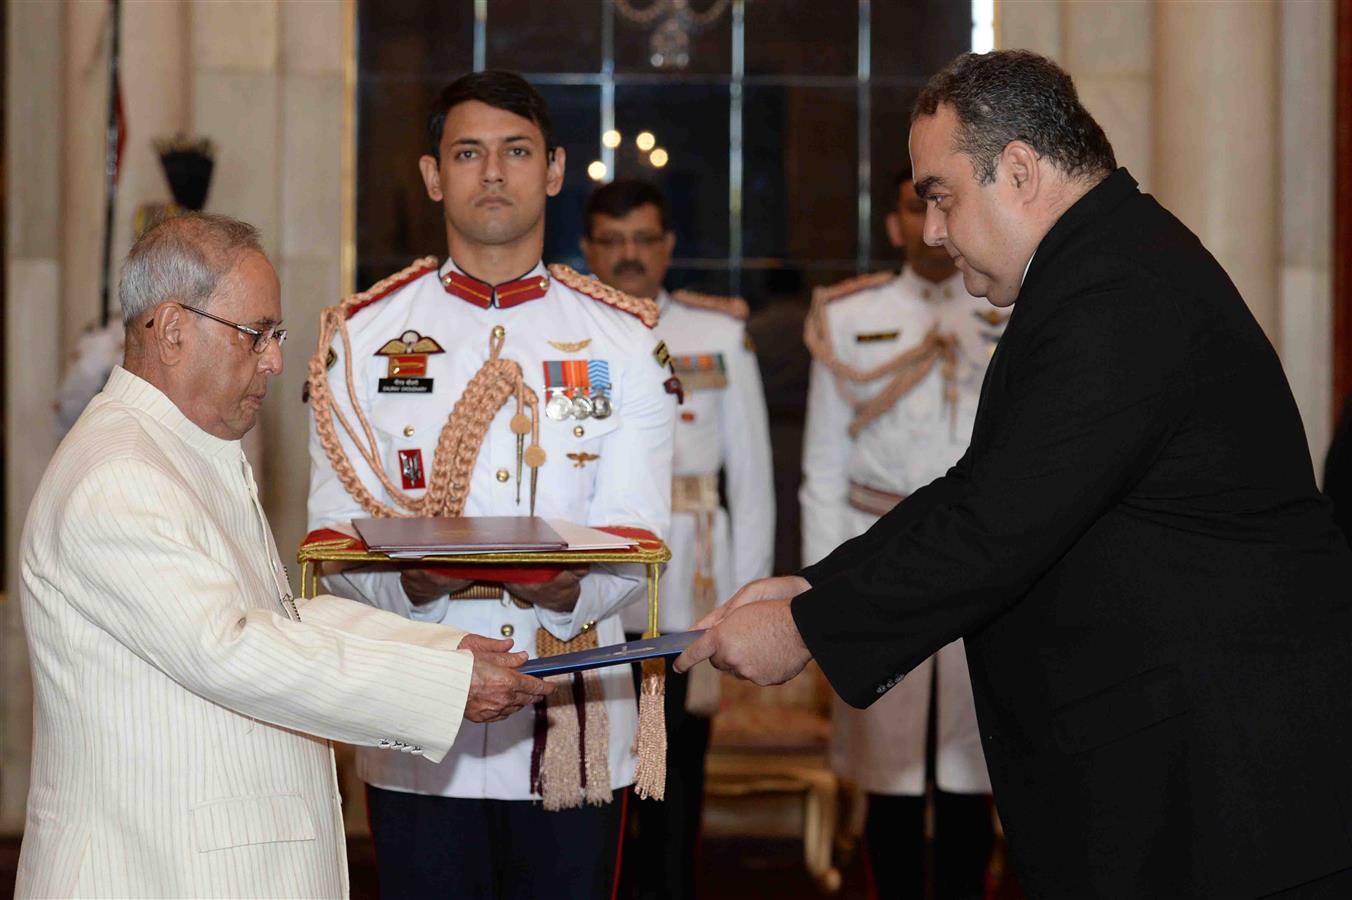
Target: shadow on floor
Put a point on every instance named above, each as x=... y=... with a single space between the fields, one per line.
x=731 y=869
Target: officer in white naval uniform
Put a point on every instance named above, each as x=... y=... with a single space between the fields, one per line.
x=898 y=361
x=473 y=825
x=721 y=425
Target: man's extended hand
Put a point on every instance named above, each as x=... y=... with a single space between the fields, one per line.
x=559 y=593
x=425 y=585
x=495 y=690
x=783 y=587
x=757 y=641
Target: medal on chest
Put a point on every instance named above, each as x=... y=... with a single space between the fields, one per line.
x=577 y=389
x=701 y=371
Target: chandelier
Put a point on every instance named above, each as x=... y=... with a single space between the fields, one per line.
x=669 y=44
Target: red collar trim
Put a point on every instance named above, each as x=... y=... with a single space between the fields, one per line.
x=504 y=296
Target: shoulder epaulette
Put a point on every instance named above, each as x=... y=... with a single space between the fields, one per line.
x=830 y=292
x=642 y=309
x=386 y=286
x=728 y=306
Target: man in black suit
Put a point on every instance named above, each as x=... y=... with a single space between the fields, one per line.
x=1154 y=598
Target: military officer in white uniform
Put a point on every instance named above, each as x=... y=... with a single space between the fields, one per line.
x=596 y=450
x=898 y=361
x=721 y=425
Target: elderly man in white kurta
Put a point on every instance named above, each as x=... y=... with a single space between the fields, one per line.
x=722 y=427
x=183 y=698
x=898 y=361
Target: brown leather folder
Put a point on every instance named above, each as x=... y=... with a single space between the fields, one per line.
x=467 y=534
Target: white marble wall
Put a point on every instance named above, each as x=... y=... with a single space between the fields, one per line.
x=85 y=113
x=32 y=310
x=1223 y=110
x=268 y=88
x=1305 y=287
x=264 y=80
x=1106 y=47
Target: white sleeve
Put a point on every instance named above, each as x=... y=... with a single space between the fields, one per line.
x=146 y=576
x=633 y=488
x=826 y=477
x=747 y=462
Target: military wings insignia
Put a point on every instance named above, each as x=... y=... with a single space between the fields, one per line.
x=410 y=342
x=581 y=459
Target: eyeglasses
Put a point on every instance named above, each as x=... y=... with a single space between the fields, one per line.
x=643 y=240
x=261 y=338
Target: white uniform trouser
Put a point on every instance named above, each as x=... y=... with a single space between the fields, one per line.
x=882 y=748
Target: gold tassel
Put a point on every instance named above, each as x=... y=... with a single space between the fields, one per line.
x=560 y=775
x=650 y=779
x=577 y=734
x=597 y=752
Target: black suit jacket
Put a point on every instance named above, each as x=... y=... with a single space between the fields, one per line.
x=1154 y=598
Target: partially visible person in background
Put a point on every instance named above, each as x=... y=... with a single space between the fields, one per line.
x=898 y=360
x=721 y=429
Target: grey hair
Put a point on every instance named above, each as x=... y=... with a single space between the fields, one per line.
x=182 y=258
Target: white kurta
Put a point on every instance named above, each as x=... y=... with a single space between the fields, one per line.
x=720 y=429
x=917 y=440
x=174 y=689
x=624 y=480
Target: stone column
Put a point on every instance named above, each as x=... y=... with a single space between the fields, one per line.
x=310 y=153
x=314 y=59
x=1216 y=136
x=236 y=103
x=34 y=126
x=156 y=102
x=1306 y=287
x=1105 y=45
x=86 y=40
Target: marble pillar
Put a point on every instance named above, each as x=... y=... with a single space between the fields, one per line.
x=1216 y=137
x=1305 y=319
x=34 y=129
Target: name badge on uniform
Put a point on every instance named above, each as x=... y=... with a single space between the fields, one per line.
x=701 y=371
x=411 y=469
x=874 y=337
x=407 y=359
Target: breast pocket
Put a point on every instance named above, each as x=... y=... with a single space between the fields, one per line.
x=240 y=821
x=407 y=430
x=576 y=450
x=697 y=434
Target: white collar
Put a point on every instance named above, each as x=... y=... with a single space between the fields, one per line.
x=140 y=394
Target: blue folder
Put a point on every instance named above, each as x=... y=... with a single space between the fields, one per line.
x=613 y=655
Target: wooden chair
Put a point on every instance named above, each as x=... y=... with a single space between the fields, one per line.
x=774 y=742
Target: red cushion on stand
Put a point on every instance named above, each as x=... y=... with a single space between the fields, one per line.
x=514 y=574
